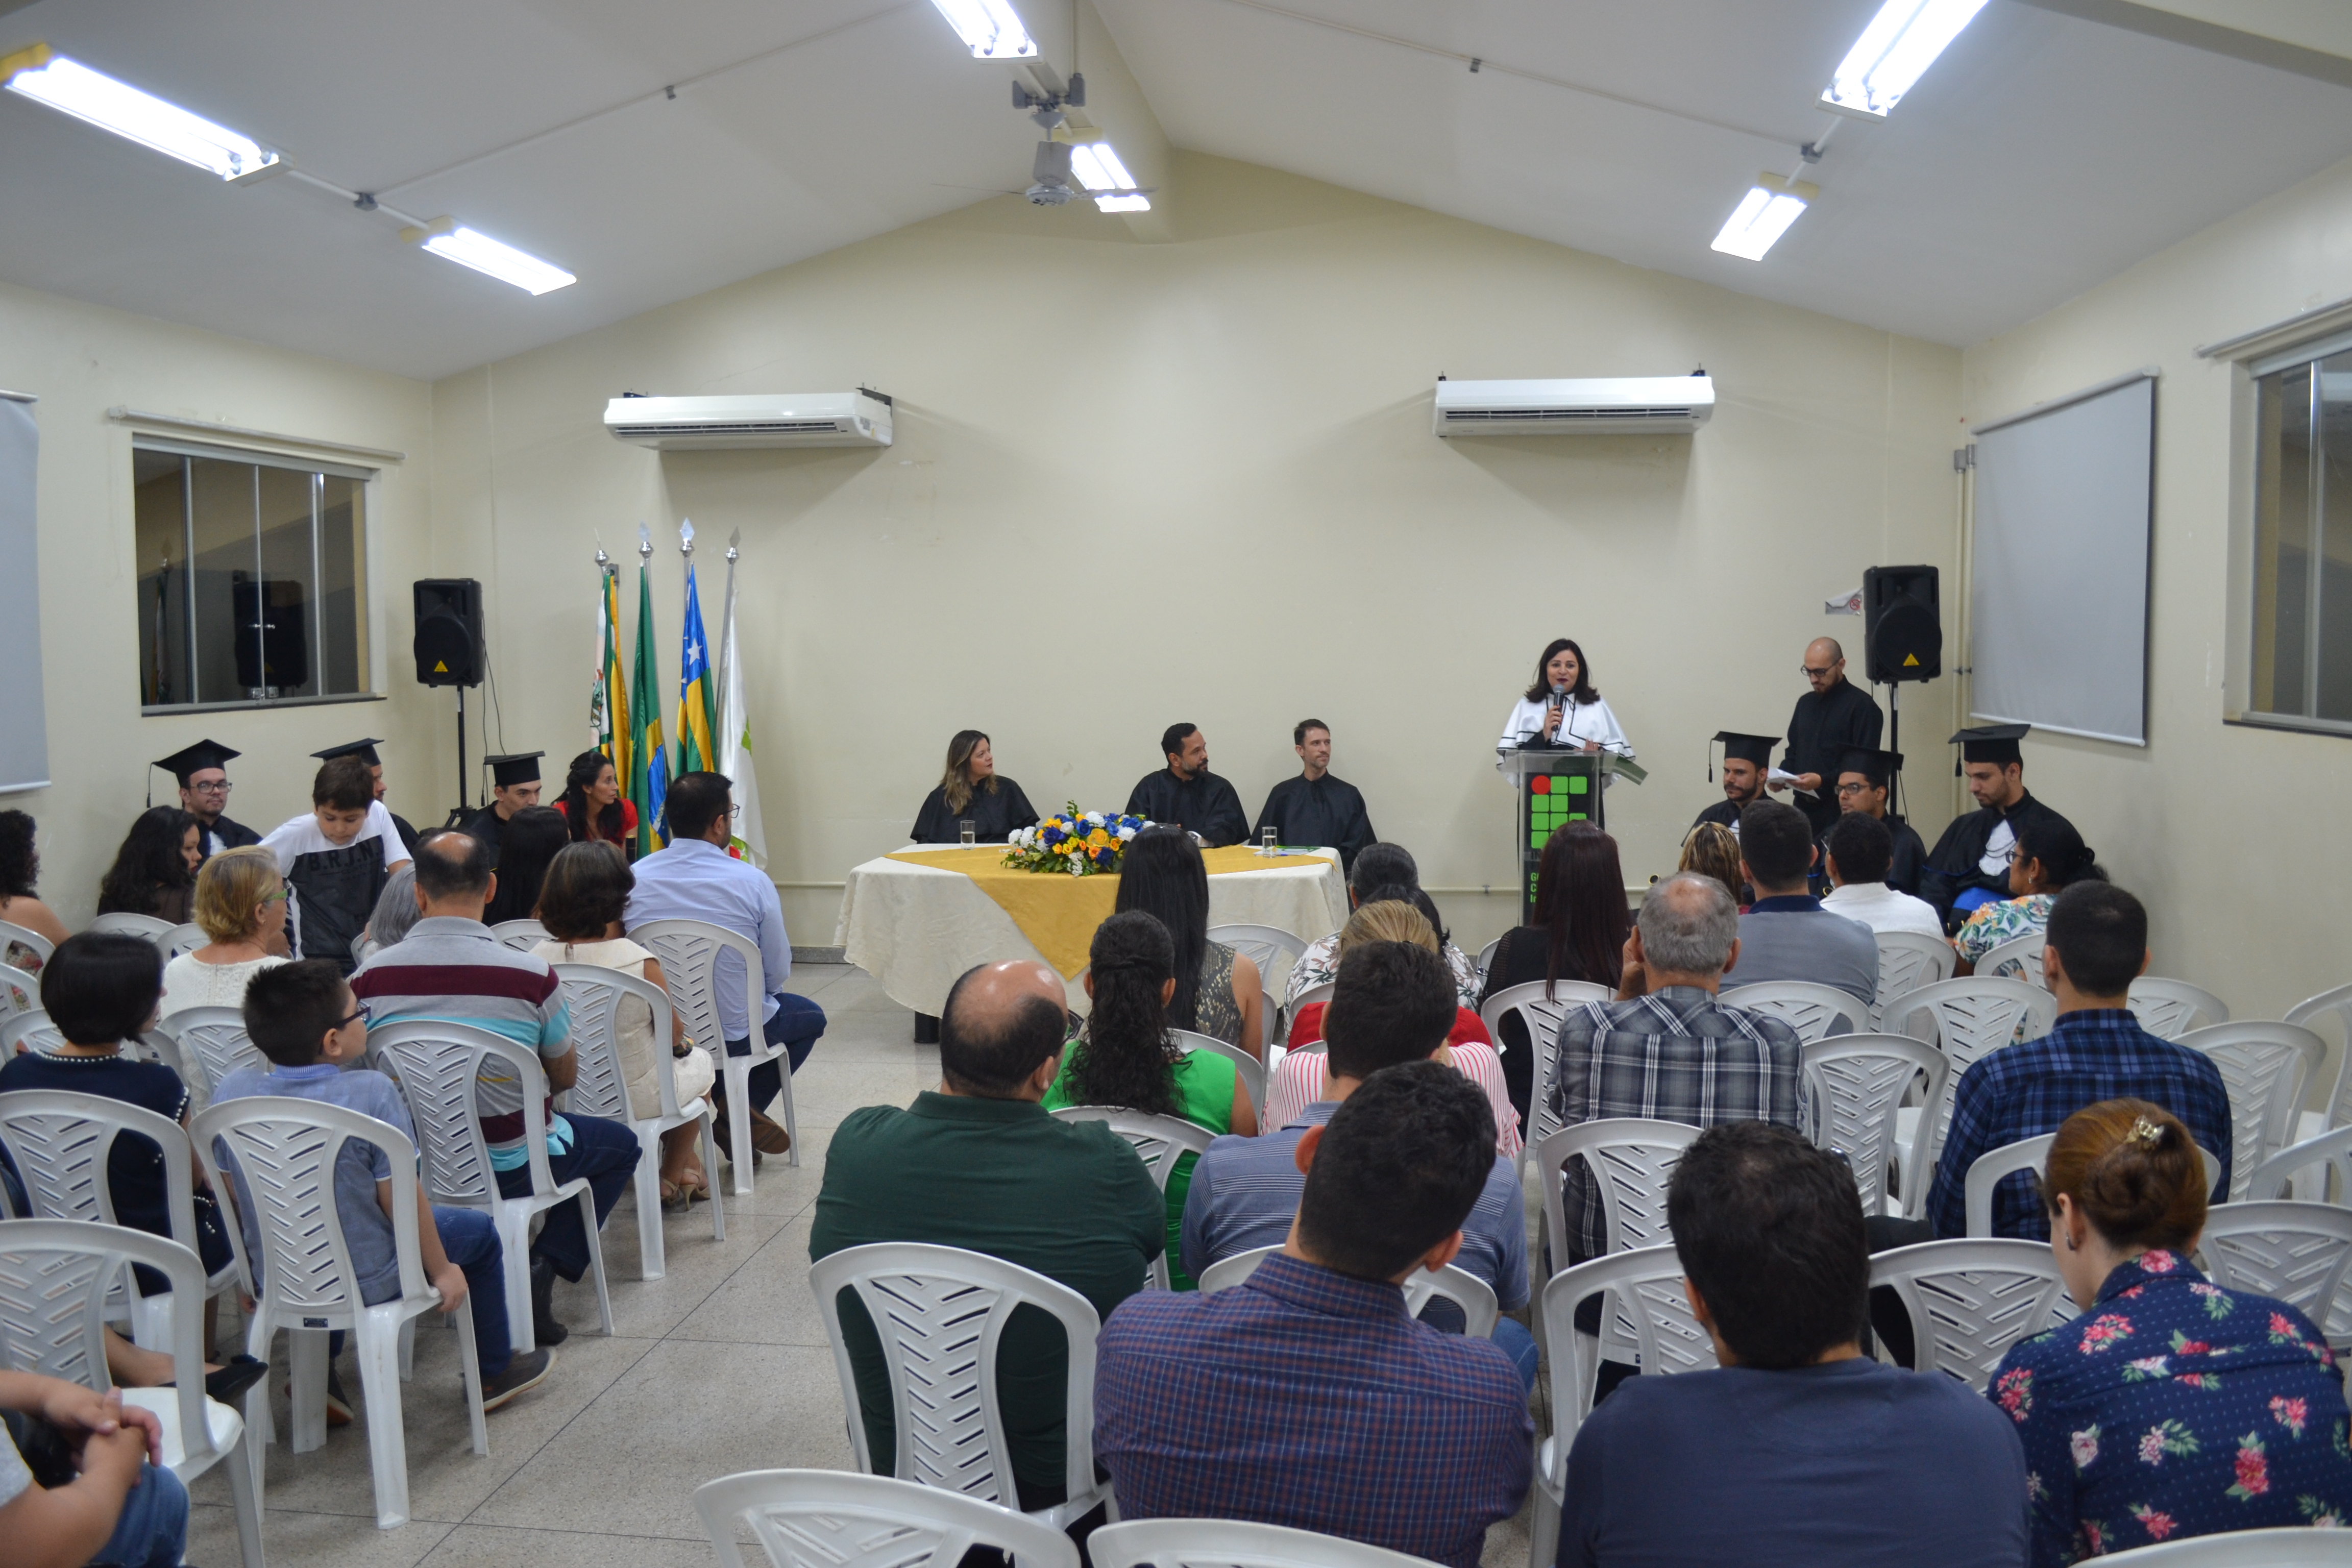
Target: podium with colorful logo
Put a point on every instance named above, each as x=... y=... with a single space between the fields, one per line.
x=1556 y=788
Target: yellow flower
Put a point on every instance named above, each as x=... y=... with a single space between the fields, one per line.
x=1098 y=839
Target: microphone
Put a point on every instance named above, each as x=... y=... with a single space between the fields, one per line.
x=1559 y=706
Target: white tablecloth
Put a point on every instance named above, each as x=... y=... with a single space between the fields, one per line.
x=916 y=928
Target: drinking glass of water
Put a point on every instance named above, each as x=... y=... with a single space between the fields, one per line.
x=1271 y=837
x=968 y=832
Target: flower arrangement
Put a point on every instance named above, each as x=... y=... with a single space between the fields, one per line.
x=1076 y=843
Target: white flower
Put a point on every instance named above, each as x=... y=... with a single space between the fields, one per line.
x=1094 y=819
x=1077 y=866
x=1127 y=834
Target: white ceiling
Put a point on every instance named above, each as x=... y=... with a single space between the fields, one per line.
x=2042 y=153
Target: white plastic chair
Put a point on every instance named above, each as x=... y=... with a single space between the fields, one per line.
x=2281 y=1175
x=213 y=1044
x=2019 y=959
x=1856 y=1085
x=1816 y=1012
x=1486 y=958
x=689 y=952
x=19 y=992
x=521 y=935
x=1909 y=959
x=1540 y=1015
x=594 y=993
x=183 y=939
x=2265 y=1067
x=1465 y=1289
x=1629 y=1160
x=2296 y=1546
x=438 y=1067
x=1268 y=947
x=1648 y=1283
x=1251 y=1070
x=28 y=1031
x=40 y=946
x=830 y=1518
x=2294 y=1252
x=1158 y=1141
x=2331 y=1012
x=56 y=1276
x=939 y=1312
x=1986 y=1171
x=148 y=926
x=1968 y=1019
x=2170 y=1008
x=1234 y=1543
x=1970 y=1301
x=61 y=1141
x=285 y=1152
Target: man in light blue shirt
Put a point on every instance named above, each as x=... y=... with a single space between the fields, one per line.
x=695 y=879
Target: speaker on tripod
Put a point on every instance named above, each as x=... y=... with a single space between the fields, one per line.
x=1903 y=623
x=449 y=652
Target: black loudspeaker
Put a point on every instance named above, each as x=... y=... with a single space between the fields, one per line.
x=450 y=631
x=273 y=635
x=1903 y=623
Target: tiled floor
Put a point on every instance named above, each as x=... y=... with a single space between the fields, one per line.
x=720 y=1366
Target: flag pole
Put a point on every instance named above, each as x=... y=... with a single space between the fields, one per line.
x=727 y=637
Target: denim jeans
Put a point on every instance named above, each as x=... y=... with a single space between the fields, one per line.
x=606 y=1152
x=469 y=1237
x=153 y=1526
x=796 y=1027
x=1521 y=1345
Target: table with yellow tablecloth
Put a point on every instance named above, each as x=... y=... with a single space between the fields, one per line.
x=918 y=919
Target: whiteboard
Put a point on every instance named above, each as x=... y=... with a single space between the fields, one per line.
x=2058 y=588
x=24 y=722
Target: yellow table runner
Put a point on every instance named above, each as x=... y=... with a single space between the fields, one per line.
x=1058 y=912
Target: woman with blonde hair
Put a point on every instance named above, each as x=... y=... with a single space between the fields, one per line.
x=240 y=900
x=971 y=791
x=1389 y=915
x=1712 y=850
x=2171 y=1407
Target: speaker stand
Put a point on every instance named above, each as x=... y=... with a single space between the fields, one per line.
x=464 y=808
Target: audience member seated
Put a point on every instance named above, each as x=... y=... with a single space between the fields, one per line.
x=1578 y=934
x=241 y=903
x=971 y=791
x=1302 y=1079
x=580 y=903
x=533 y=841
x=695 y=879
x=1712 y=850
x=1377 y=867
x=1392 y=1004
x=1800 y=1450
x=337 y=857
x=1216 y=988
x=1304 y=1396
x=2048 y=859
x=154 y=872
x=93 y=1487
x=1856 y=853
x=2096 y=1051
x=593 y=804
x=2170 y=1407
x=395 y=912
x=1126 y=1056
x=979 y=1164
x=450 y=968
x=1306 y=1020
x=304 y=1018
x=20 y=871
x=100 y=989
x=1785 y=933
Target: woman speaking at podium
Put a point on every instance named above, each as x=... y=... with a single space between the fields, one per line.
x=1560 y=710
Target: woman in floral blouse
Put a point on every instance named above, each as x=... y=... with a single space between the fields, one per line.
x=2050 y=857
x=2170 y=1407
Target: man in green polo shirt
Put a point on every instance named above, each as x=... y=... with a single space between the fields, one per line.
x=980 y=1165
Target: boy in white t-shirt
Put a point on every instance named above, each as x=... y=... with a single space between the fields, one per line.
x=336 y=861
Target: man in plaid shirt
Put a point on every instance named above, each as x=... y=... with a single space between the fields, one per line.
x=1666 y=1049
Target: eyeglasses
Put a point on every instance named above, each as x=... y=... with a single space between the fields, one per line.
x=1846 y=789
x=1810 y=670
x=279 y=897
x=360 y=1016
x=220 y=788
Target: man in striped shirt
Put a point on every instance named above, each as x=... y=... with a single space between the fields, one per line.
x=450 y=969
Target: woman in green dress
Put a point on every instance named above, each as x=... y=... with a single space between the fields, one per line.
x=1124 y=1056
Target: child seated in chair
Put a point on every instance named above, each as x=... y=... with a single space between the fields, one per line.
x=303 y=1018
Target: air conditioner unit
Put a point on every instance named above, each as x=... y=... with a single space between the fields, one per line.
x=1611 y=406
x=860 y=418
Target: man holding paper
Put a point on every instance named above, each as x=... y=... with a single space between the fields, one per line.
x=1835 y=717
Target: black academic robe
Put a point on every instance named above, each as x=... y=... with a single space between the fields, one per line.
x=490 y=829
x=1826 y=726
x=1205 y=805
x=223 y=835
x=1327 y=812
x=995 y=815
x=1903 y=866
x=1955 y=865
x=1723 y=813
x=407 y=834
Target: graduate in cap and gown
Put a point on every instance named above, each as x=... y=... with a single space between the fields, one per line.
x=203 y=772
x=365 y=750
x=1866 y=783
x=1747 y=760
x=514 y=784
x=1969 y=865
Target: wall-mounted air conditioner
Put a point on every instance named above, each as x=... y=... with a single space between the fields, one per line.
x=860 y=418
x=1611 y=406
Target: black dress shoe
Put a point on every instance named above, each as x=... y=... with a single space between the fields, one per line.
x=547 y=1330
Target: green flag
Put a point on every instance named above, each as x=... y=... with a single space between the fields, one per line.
x=648 y=765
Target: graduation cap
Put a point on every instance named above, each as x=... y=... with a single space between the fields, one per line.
x=1994 y=743
x=1876 y=766
x=516 y=768
x=190 y=761
x=363 y=750
x=1736 y=747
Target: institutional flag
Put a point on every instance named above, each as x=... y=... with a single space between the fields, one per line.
x=648 y=765
x=749 y=843
x=695 y=754
x=609 y=698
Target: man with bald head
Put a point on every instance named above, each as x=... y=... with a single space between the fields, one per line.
x=978 y=1164
x=1832 y=719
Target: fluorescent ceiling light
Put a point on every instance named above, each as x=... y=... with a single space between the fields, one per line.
x=1131 y=202
x=1763 y=215
x=990 y=28
x=479 y=251
x=71 y=87
x=1894 y=52
x=1099 y=169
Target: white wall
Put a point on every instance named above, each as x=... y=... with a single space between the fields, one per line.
x=2231 y=834
x=1140 y=482
x=81 y=360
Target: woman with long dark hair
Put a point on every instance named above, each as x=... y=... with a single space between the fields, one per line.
x=535 y=834
x=1216 y=988
x=591 y=804
x=1126 y=1056
x=971 y=791
x=2049 y=858
x=1578 y=934
x=1561 y=707
x=20 y=872
x=154 y=872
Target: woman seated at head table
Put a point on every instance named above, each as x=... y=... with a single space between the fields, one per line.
x=971 y=791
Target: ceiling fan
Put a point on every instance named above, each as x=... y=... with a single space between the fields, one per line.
x=1062 y=171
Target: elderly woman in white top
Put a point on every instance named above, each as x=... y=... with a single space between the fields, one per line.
x=1561 y=707
x=240 y=900
x=580 y=902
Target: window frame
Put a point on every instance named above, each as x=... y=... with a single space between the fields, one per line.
x=2246 y=615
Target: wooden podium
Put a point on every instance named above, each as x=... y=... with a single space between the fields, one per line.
x=1557 y=787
